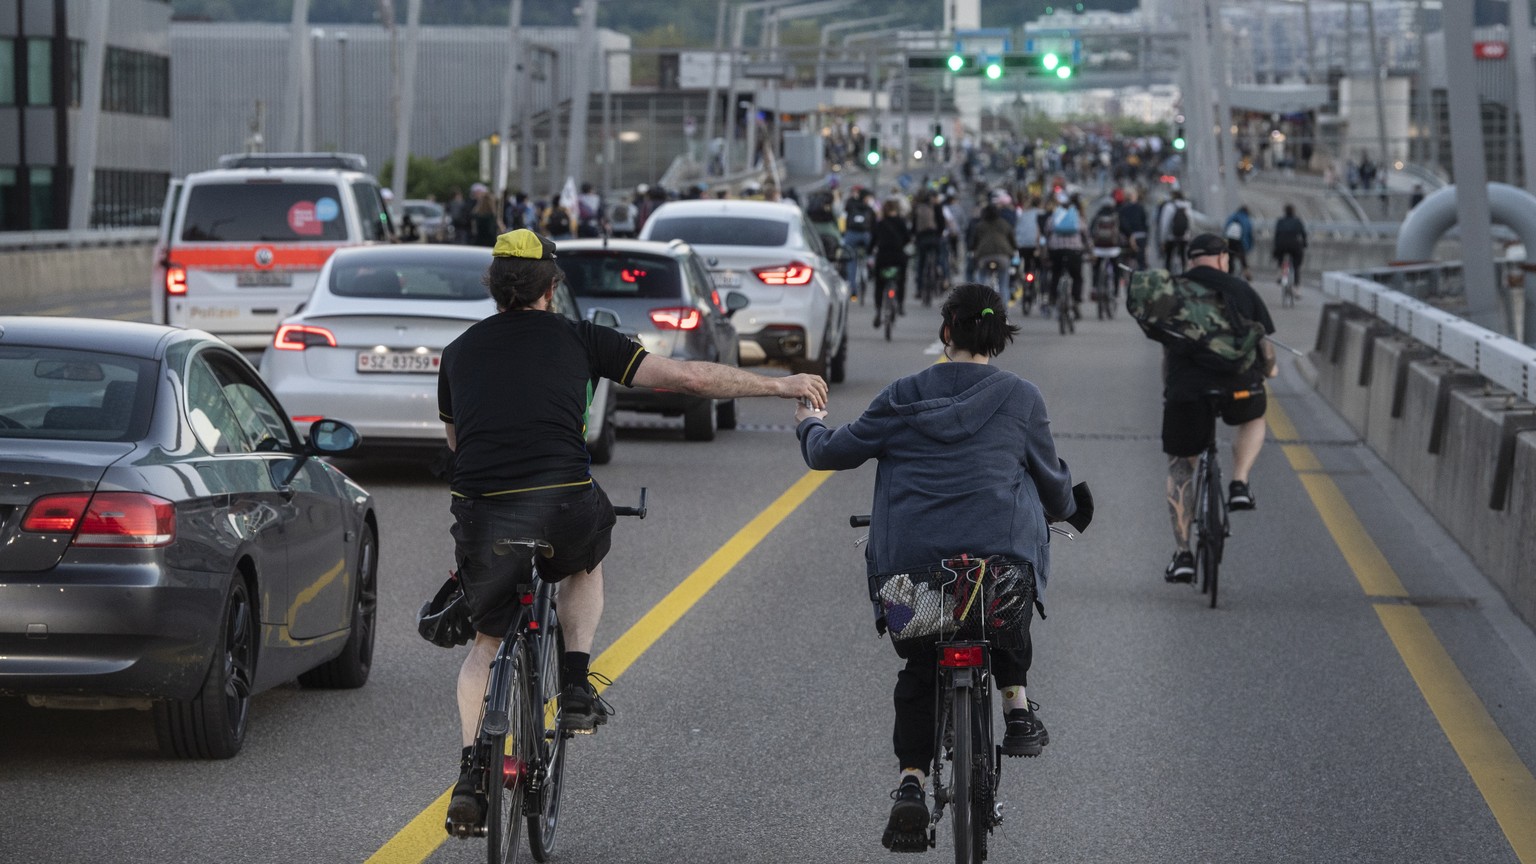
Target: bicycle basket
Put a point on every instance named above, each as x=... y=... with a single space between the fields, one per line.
x=959 y=599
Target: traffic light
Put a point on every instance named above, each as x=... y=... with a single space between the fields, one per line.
x=872 y=151
x=938 y=135
x=994 y=69
x=957 y=63
x=1055 y=64
x=1178 y=139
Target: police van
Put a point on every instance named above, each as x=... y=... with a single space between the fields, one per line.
x=240 y=246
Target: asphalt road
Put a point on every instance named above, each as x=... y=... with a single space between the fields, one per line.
x=1285 y=725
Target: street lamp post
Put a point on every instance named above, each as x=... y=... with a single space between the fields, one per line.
x=341 y=48
x=738 y=34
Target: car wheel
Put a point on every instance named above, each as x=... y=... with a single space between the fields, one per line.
x=725 y=414
x=839 y=366
x=699 y=421
x=211 y=725
x=601 y=450
x=349 y=669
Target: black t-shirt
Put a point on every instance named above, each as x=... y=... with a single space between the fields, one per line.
x=1186 y=379
x=516 y=387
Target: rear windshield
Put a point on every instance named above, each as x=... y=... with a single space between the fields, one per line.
x=614 y=274
x=71 y=395
x=421 y=278
x=720 y=231
x=264 y=212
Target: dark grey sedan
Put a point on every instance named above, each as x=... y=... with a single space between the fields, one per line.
x=167 y=539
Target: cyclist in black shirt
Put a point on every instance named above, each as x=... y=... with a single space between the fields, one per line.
x=513 y=393
x=1188 y=422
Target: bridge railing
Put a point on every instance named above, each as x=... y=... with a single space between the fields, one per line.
x=1418 y=301
x=17 y=241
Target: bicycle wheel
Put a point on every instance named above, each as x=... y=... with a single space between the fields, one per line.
x=1214 y=534
x=985 y=774
x=506 y=769
x=888 y=313
x=1064 y=321
x=1198 y=523
x=549 y=740
x=963 y=755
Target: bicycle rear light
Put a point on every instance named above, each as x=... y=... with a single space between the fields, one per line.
x=961 y=656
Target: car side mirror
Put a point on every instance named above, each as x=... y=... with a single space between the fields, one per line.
x=604 y=317
x=735 y=301
x=326 y=438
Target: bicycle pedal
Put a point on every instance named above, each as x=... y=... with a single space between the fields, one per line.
x=910 y=842
x=463 y=830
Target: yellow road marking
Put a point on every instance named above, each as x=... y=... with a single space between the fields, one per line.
x=423 y=834
x=1505 y=782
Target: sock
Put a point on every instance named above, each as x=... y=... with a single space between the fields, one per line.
x=574 y=666
x=916 y=774
x=1014 y=698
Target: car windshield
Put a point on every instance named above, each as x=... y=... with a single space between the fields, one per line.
x=263 y=212
x=429 y=211
x=421 y=277
x=718 y=230
x=616 y=274
x=71 y=395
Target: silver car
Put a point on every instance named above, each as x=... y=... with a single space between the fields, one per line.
x=768 y=250
x=367 y=344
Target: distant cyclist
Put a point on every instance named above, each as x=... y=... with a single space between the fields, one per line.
x=1133 y=227
x=994 y=245
x=1188 y=421
x=892 y=234
x=1290 y=242
x=513 y=395
x=858 y=232
x=966 y=463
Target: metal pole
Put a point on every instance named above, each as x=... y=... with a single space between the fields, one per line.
x=1525 y=87
x=581 y=92
x=1472 y=214
x=341 y=47
x=407 y=98
x=311 y=69
x=556 y=183
x=906 y=114
x=1306 y=26
x=607 y=147
x=874 y=118
x=508 y=91
x=1428 y=127
x=1228 y=156
x=84 y=157
x=714 y=81
x=1377 y=71
x=524 y=133
x=298 y=36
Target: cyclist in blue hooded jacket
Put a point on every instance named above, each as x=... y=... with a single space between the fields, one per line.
x=966 y=464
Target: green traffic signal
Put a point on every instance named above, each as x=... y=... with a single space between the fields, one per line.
x=1063 y=72
x=994 y=71
x=1178 y=143
x=956 y=63
x=938 y=141
x=1050 y=62
x=872 y=157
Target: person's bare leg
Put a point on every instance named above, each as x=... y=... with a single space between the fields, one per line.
x=1181 y=497
x=581 y=608
x=473 y=676
x=1246 y=444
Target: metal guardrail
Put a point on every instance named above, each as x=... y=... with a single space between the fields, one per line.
x=19 y=241
x=1502 y=360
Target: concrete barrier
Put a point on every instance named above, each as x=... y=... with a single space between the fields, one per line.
x=1465 y=446
x=32 y=278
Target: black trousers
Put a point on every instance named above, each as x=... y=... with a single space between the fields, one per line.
x=917 y=701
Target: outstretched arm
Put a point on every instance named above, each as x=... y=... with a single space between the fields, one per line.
x=718 y=381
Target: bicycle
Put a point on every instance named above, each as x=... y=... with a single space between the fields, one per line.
x=994 y=274
x=930 y=282
x=940 y=607
x=886 y=317
x=1106 y=278
x=1064 y=307
x=1288 y=292
x=519 y=750
x=1210 y=525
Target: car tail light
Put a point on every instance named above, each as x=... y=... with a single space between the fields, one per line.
x=297 y=337
x=105 y=519
x=677 y=318
x=957 y=656
x=788 y=274
x=1029 y=277
x=175 y=279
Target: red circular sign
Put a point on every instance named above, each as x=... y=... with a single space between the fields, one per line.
x=1490 y=50
x=303 y=221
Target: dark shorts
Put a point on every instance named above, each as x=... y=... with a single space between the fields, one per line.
x=1188 y=426
x=578 y=523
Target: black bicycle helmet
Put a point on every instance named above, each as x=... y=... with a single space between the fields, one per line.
x=444 y=620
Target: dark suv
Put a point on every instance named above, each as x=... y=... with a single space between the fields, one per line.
x=664 y=294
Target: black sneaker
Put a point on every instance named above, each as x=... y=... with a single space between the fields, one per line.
x=466 y=809
x=1025 y=735
x=581 y=709
x=907 y=829
x=1238 y=496
x=1181 y=568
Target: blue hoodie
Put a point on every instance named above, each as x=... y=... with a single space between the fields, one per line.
x=967 y=465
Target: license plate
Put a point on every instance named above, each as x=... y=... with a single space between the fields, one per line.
x=728 y=279
x=399 y=361
x=263 y=279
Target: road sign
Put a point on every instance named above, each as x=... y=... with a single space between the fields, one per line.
x=845 y=69
x=1490 y=50
x=767 y=70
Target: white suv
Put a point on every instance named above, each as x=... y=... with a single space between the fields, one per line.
x=798 y=315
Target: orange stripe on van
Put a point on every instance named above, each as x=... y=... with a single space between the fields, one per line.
x=284 y=257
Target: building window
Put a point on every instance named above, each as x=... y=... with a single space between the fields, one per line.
x=126 y=199
x=42 y=199
x=7 y=71
x=11 y=217
x=137 y=83
x=39 y=72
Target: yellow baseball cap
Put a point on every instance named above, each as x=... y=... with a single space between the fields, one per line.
x=523 y=243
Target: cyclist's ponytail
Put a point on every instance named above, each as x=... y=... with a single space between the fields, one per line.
x=518 y=283
x=977 y=320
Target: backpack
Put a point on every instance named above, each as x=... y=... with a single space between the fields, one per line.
x=1234 y=230
x=558 y=221
x=1194 y=320
x=1066 y=221
x=922 y=219
x=1178 y=227
x=620 y=215
x=519 y=217
x=1106 y=230
x=857 y=217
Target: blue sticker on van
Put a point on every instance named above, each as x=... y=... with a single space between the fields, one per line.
x=327 y=209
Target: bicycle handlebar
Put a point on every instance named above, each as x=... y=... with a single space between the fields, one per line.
x=858 y=521
x=638 y=511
